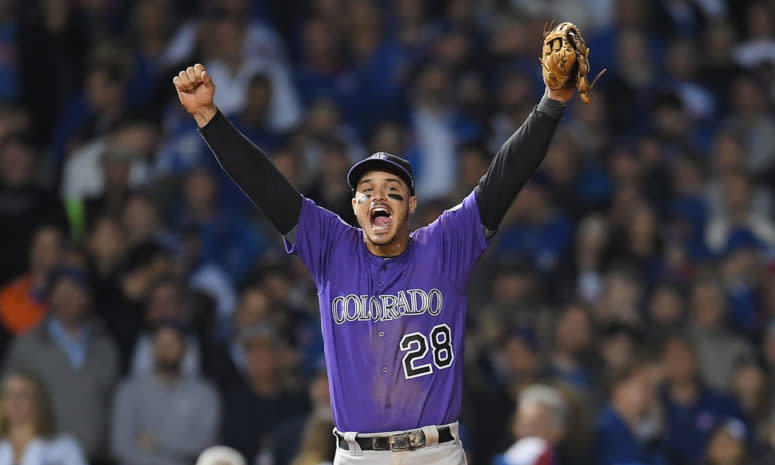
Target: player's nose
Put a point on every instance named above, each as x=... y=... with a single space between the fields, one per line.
x=379 y=194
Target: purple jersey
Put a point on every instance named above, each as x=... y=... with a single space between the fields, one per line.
x=393 y=329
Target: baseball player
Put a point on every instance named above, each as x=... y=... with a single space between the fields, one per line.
x=392 y=302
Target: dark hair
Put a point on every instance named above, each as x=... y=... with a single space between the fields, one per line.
x=114 y=70
x=143 y=255
x=260 y=79
x=178 y=327
x=479 y=149
x=675 y=337
x=169 y=281
x=621 y=374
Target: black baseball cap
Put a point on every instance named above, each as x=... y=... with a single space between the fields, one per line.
x=382 y=161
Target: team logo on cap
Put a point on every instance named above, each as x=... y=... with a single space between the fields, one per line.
x=380 y=156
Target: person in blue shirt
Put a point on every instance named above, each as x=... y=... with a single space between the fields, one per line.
x=618 y=440
x=692 y=410
x=541 y=233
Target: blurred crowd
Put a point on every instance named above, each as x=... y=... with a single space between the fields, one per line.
x=624 y=313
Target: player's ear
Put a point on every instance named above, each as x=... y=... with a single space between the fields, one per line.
x=355 y=202
x=412 y=204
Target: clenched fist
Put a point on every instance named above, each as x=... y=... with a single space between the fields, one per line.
x=195 y=91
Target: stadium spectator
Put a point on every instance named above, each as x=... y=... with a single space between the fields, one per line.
x=765 y=451
x=226 y=363
x=740 y=269
x=98 y=109
x=233 y=68
x=141 y=220
x=573 y=358
x=727 y=445
x=639 y=244
x=28 y=433
x=166 y=416
x=285 y=436
x=295 y=320
x=666 y=311
x=165 y=303
x=718 y=349
x=621 y=293
x=473 y=161
x=539 y=425
x=106 y=247
x=24 y=203
x=438 y=128
x=689 y=207
x=618 y=346
x=151 y=24
x=582 y=268
x=501 y=371
x=692 y=410
x=514 y=301
x=144 y=265
x=742 y=207
x=253 y=119
x=516 y=90
x=753 y=392
x=324 y=122
x=100 y=173
x=251 y=410
x=329 y=192
x=226 y=238
x=23 y=301
x=618 y=440
x=48 y=34
x=539 y=233
x=75 y=358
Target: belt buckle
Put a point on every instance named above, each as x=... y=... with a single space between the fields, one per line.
x=399 y=442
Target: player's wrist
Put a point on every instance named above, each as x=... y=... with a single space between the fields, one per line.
x=552 y=108
x=204 y=115
x=562 y=94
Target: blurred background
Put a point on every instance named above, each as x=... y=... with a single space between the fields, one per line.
x=624 y=313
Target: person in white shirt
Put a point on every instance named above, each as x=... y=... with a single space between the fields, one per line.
x=540 y=424
x=27 y=433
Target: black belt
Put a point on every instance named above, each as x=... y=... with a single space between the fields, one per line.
x=396 y=442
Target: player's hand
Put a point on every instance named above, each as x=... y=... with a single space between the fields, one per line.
x=563 y=94
x=196 y=91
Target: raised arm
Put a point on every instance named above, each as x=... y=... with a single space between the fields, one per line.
x=519 y=158
x=245 y=163
x=565 y=64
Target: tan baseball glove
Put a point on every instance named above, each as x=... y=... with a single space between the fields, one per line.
x=565 y=59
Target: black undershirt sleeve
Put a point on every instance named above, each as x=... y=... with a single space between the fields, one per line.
x=254 y=173
x=516 y=161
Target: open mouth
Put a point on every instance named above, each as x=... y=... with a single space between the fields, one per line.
x=380 y=218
